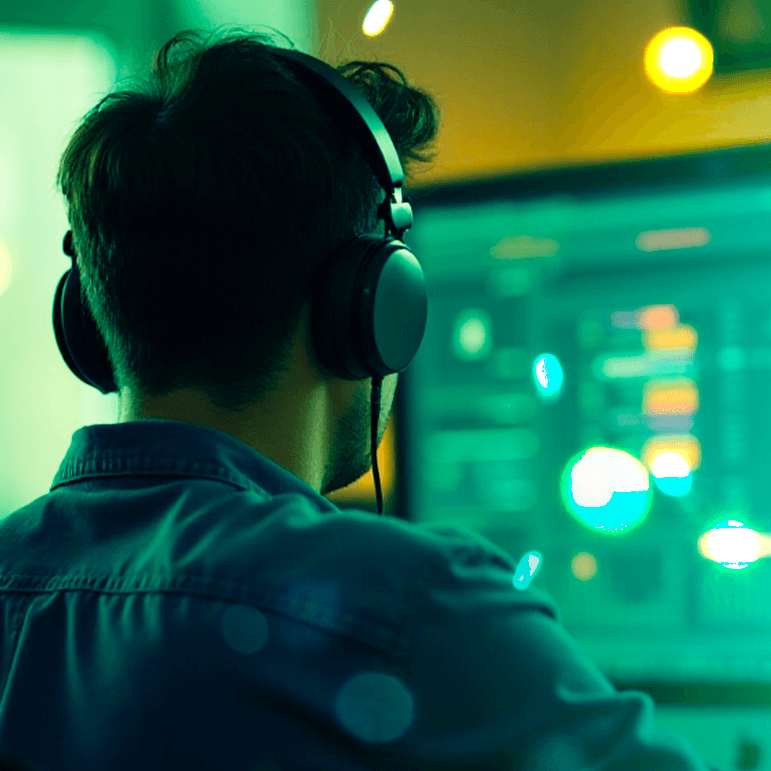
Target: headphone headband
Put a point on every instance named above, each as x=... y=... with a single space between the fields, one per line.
x=373 y=137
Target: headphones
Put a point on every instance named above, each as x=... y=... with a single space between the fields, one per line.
x=370 y=306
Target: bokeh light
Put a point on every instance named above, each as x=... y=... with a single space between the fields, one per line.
x=606 y=490
x=679 y=60
x=377 y=17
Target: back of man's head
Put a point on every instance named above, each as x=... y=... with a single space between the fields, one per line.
x=203 y=199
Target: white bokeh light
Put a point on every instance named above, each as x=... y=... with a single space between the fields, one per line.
x=680 y=58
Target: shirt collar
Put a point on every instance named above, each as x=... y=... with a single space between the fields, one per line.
x=175 y=448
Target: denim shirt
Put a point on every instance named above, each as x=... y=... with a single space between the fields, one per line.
x=178 y=600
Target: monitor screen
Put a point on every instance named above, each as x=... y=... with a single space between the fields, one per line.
x=592 y=393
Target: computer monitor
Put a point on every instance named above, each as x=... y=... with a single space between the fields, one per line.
x=594 y=388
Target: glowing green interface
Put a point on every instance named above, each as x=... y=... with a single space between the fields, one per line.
x=592 y=395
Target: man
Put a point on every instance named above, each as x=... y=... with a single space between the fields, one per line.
x=184 y=597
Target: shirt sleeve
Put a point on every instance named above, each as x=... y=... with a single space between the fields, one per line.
x=499 y=684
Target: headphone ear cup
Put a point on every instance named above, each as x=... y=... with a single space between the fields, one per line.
x=370 y=309
x=78 y=338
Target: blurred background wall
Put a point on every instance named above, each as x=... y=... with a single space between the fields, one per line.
x=548 y=82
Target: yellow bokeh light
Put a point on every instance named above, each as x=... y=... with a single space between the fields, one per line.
x=5 y=267
x=684 y=445
x=584 y=566
x=679 y=60
x=377 y=17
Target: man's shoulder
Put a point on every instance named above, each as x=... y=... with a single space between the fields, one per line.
x=392 y=552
